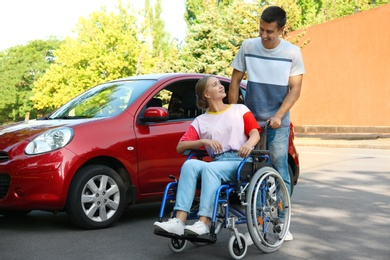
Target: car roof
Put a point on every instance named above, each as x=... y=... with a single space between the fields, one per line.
x=165 y=76
x=160 y=76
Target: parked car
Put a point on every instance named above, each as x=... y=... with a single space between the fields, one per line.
x=110 y=147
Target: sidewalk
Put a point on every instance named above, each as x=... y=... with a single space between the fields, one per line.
x=371 y=137
x=355 y=140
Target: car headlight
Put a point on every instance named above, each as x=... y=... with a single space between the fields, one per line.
x=50 y=141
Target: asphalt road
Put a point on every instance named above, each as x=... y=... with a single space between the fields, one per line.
x=341 y=210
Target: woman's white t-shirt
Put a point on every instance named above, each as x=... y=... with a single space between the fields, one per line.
x=230 y=127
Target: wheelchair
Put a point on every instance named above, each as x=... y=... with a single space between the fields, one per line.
x=258 y=198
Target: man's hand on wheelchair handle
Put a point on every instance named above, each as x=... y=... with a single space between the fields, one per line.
x=274 y=122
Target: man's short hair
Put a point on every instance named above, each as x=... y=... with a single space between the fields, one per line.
x=274 y=14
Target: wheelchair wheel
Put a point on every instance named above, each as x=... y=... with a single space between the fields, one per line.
x=234 y=249
x=177 y=245
x=268 y=209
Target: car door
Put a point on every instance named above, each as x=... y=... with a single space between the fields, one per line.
x=157 y=141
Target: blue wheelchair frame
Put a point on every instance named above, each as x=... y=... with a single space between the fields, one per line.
x=223 y=193
x=249 y=169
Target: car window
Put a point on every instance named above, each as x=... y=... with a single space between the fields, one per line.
x=179 y=99
x=105 y=100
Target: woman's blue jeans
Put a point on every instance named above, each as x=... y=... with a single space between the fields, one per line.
x=277 y=143
x=211 y=174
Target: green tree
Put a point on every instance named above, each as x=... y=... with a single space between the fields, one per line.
x=20 y=67
x=319 y=11
x=215 y=31
x=215 y=34
x=193 y=9
x=159 y=51
x=293 y=11
x=107 y=47
x=161 y=39
x=308 y=11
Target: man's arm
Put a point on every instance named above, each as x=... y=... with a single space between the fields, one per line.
x=234 y=88
x=295 y=83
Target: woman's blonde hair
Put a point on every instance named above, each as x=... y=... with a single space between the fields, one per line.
x=200 y=89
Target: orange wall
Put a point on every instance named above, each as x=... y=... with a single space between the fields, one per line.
x=347 y=80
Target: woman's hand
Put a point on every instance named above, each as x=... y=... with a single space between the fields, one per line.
x=215 y=145
x=245 y=150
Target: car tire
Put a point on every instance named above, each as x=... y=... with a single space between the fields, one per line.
x=96 y=197
x=290 y=171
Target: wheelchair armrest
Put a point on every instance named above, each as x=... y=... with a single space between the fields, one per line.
x=259 y=152
x=248 y=168
x=260 y=155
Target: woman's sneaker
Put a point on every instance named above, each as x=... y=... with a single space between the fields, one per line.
x=198 y=228
x=173 y=225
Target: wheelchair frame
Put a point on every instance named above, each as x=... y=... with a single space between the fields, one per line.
x=263 y=193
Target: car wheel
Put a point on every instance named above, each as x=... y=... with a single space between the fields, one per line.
x=290 y=171
x=96 y=197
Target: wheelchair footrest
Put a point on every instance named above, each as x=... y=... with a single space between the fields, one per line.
x=207 y=238
x=166 y=234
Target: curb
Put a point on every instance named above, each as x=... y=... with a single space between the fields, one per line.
x=368 y=137
x=341 y=129
x=378 y=143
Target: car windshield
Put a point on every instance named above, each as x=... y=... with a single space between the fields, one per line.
x=105 y=100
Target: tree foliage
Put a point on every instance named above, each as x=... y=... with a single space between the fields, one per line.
x=214 y=37
x=319 y=11
x=107 y=47
x=217 y=30
x=20 y=67
x=112 y=45
x=160 y=51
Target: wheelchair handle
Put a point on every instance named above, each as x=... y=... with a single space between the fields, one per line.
x=262 y=144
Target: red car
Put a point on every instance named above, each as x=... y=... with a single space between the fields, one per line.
x=110 y=147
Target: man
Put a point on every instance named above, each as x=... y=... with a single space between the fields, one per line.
x=275 y=71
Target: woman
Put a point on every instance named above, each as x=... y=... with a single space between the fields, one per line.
x=229 y=133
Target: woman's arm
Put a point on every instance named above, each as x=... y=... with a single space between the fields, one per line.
x=254 y=138
x=186 y=145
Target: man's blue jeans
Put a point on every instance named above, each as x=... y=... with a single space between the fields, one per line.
x=223 y=168
x=277 y=143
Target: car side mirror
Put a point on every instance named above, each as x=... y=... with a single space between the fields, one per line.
x=155 y=114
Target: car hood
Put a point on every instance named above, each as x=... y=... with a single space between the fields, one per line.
x=15 y=132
